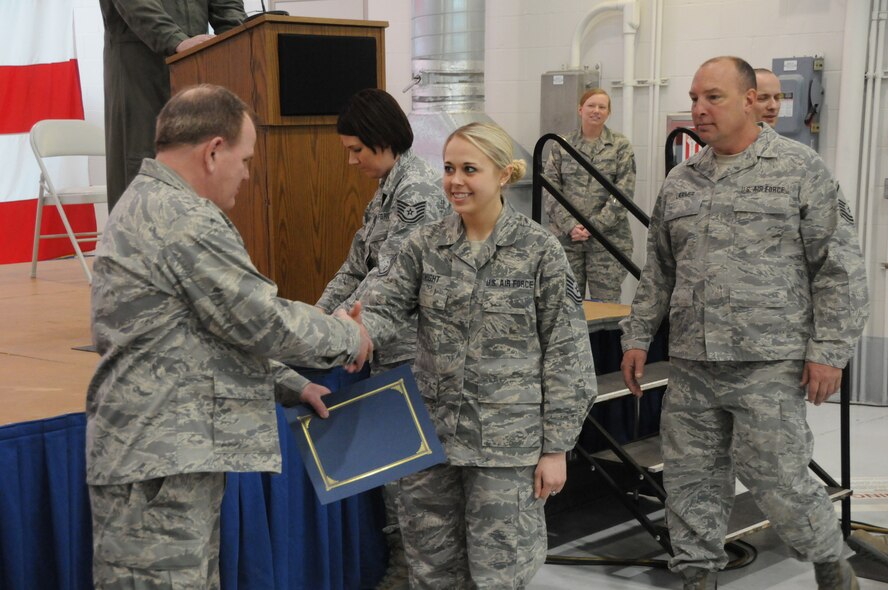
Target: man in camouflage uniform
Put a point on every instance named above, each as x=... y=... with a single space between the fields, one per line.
x=139 y=36
x=504 y=366
x=753 y=253
x=187 y=328
x=378 y=137
x=611 y=153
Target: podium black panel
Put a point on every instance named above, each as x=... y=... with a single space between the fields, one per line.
x=319 y=73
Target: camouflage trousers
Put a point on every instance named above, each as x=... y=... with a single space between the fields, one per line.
x=157 y=534
x=722 y=419
x=472 y=527
x=594 y=266
x=390 y=490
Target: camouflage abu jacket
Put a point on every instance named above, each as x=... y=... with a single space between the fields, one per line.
x=759 y=263
x=186 y=327
x=613 y=156
x=502 y=358
x=410 y=196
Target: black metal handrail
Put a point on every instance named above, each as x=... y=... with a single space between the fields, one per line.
x=670 y=145
x=540 y=181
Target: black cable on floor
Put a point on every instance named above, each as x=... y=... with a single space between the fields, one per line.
x=746 y=554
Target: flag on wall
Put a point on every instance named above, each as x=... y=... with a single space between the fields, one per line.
x=39 y=79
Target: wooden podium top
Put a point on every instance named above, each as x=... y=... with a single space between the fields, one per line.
x=276 y=18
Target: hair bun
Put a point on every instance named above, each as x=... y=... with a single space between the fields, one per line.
x=519 y=167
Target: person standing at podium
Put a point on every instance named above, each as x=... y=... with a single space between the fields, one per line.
x=139 y=36
x=189 y=335
x=378 y=139
x=752 y=252
x=504 y=366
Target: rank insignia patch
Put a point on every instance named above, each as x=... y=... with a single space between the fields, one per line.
x=573 y=291
x=411 y=214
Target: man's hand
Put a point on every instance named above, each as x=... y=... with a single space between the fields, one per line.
x=550 y=475
x=633 y=369
x=579 y=233
x=191 y=42
x=365 y=352
x=822 y=381
x=311 y=395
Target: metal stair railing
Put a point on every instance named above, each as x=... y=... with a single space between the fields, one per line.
x=540 y=181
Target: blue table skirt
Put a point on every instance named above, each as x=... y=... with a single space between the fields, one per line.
x=275 y=534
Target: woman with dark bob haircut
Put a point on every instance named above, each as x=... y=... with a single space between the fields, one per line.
x=377 y=138
x=376 y=119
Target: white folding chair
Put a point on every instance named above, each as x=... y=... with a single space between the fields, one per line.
x=65 y=137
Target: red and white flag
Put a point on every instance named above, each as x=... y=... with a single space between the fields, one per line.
x=39 y=79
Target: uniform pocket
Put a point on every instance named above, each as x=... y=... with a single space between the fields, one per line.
x=244 y=418
x=132 y=552
x=433 y=292
x=681 y=309
x=760 y=220
x=796 y=443
x=507 y=324
x=159 y=524
x=531 y=548
x=511 y=414
x=682 y=207
x=681 y=218
x=769 y=297
x=682 y=297
x=606 y=164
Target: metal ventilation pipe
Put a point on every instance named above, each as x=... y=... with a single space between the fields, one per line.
x=448 y=56
x=448 y=80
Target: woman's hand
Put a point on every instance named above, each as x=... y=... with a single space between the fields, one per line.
x=550 y=475
x=579 y=234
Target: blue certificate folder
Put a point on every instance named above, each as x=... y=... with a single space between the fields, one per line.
x=378 y=431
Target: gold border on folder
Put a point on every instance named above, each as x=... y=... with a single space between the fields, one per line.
x=424 y=449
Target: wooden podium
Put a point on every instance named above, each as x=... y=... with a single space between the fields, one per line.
x=303 y=203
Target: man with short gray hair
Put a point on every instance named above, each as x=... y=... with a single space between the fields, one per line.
x=752 y=252
x=190 y=336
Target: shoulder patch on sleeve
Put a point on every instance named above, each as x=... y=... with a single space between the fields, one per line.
x=385 y=264
x=411 y=213
x=845 y=212
x=573 y=291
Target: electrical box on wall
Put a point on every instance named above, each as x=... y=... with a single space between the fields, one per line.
x=801 y=82
x=560 y=93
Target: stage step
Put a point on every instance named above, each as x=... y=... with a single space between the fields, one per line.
x=747 y=518
x=645 y=452
x=611 y=385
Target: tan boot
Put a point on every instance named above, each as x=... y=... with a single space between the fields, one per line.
x=835 y=575
x=700 y=580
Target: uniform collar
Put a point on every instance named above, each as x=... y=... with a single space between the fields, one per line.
x=764 y=146
x=505 y=232
x=393 y=178
x=163 y=173
x=576 y=139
